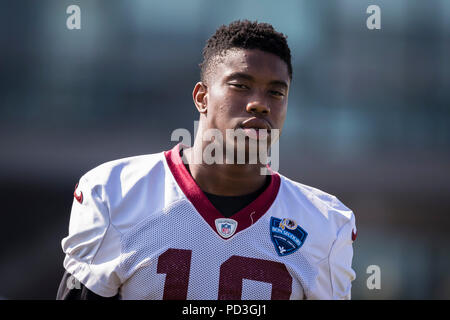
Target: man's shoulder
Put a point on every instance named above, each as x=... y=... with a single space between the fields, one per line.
x=120 y=170
x=129 y=189
x=315 y=201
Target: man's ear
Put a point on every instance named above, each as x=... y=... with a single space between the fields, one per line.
x=200 y=96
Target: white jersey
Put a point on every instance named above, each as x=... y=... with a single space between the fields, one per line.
x=142 y=227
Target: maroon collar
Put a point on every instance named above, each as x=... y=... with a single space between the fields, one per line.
x=245 y=217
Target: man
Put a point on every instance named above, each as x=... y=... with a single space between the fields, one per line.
x=167 y=226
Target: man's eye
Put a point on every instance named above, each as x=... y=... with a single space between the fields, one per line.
x=238 y=85
x=276 y=93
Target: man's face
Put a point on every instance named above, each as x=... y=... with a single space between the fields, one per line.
x=247 y=88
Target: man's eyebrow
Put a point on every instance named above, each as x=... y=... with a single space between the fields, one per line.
x=246 y=76
x=279 y=83
x=239 y=75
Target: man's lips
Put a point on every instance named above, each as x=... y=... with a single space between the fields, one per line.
x=253 y=128
x=256 y=123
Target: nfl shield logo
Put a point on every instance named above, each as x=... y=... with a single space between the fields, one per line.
x=226 y=227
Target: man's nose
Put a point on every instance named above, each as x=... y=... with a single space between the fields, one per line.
x=258 y=107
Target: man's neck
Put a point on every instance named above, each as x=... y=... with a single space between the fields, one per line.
x=224 y=179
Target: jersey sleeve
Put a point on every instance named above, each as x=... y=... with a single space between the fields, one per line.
x=340 y=261
x=92 y=247
x=334 y=281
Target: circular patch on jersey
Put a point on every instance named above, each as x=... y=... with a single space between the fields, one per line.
x=288 y=223
x=287 y=236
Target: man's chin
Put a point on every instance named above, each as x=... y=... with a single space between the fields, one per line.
x=252 y=151
x=258 y=135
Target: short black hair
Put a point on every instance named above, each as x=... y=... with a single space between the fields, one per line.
x=245 y=34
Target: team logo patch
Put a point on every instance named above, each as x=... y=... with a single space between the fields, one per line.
x=226 y=227
x=79 y=197
x=354 y=234
x=286 y=235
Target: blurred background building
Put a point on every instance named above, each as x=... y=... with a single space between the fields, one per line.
x=368 y=120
